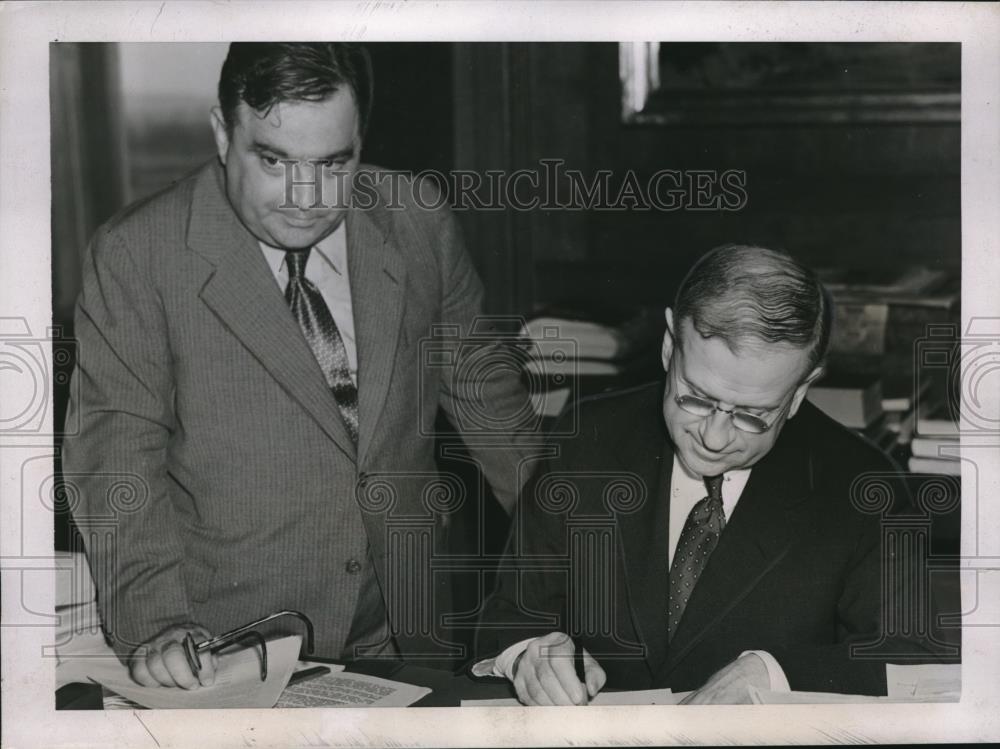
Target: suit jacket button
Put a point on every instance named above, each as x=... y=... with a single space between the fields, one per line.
x=353 y=566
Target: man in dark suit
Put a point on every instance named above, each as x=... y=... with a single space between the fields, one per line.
x=697 y=536
x=253 y=392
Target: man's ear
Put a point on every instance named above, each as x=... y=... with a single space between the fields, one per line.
x=800 y=391
x=221 y=134
x=668 y=339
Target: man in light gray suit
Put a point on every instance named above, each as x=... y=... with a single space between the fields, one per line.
x=253 y=403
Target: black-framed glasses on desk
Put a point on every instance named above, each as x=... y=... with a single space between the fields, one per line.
x=194 y=649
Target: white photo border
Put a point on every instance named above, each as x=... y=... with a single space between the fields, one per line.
x=26 y=29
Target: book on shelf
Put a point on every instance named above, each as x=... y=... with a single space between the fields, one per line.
x=551 y=337
x=855 y=400
x=940 y=448
x=579 y=350
x=900 y=393
x=879 y=433
x=902 y=423
x=911 y=285
x=936 y=419
x=918 y=464
x=574 y=367
x=551 y=390
x=592 y=332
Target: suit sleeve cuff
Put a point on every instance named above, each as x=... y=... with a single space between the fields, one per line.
x=775 y=673
x=503 y=664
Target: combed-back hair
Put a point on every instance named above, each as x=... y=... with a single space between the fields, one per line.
x=263 y=74
x=745 y=294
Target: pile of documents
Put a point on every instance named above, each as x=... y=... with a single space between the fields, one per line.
x=83 y=656
x=577 y=350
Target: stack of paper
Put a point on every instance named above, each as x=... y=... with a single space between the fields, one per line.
x=926 y=682
x=237 y=679
x=350 y=690
x=636 y=697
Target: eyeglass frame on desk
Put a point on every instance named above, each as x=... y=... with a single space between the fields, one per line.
x=193 y=650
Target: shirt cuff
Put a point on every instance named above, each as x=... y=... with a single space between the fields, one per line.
x=775 y=673
x=503 y=664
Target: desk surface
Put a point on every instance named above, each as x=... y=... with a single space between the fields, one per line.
x=942 y=683
x=448 y=689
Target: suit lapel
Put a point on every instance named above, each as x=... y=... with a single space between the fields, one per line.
x=644 y=537
x=242 y=292
x=377 y=276
x=760 y=532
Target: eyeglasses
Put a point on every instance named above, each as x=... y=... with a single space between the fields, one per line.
x=194 y=649
x=703 y=408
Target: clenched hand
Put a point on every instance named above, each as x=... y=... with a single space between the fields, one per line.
x=160 y=661
x=728 y=686
x=544 y=673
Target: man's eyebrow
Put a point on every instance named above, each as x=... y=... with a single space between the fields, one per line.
x=343 y=153
x=258 y=147
x=702 y=394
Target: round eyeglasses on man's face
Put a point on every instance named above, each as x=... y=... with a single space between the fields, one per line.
x=702 y=407
x=745 y=422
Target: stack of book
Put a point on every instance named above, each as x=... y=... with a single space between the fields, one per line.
x=855 y=400
x=577 y=351
x=885 y=322
x=881 y=317
x=900 y=396
x=935 y=446
x=908 y=285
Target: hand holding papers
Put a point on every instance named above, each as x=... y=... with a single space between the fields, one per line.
x=193 y=650
x=237 y=680
x=175 y=657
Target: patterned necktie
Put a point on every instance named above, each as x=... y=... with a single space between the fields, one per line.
x=321 y=332
x=697 y=542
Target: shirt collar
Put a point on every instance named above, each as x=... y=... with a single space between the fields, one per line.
x=681 y=475
x=333 y=249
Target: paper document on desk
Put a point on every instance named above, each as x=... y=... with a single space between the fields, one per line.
x=636 y=697
x=81 y=648
x=767 y=697
x=930 y=682
x=350 y=690
x=926 y=682
x=237 y=680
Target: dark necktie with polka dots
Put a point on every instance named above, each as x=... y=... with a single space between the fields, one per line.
x=697 y=542
x=321 y=332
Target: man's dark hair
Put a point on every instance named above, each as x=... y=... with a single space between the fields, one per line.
x=744 y=294
x=263 y=74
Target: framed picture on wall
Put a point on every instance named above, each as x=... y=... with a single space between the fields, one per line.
x=747 y=83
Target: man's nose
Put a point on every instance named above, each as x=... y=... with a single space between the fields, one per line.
x=306 y=187
x=717 y=430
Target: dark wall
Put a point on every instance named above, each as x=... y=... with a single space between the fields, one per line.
x=860 y=196
x=411 y=124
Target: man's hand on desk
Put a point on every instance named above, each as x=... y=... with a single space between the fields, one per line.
x=161 y=661
x=728 y=686
x=545 y=674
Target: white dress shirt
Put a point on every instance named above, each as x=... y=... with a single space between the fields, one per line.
x=327 y=269
x=686 y=490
